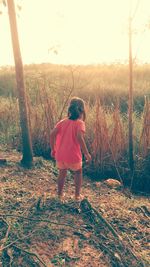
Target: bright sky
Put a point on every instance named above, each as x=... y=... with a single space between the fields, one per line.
x=76 y=31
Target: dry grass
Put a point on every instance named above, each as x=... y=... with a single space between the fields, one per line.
x=103 y=87
x=9 y=121
x=101 y=137
x=106 y=132
x=145 y=135
x=118 y=139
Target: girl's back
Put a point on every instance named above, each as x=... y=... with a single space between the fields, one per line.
x=67 y=145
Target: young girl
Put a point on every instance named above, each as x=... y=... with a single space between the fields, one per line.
x=67 y=142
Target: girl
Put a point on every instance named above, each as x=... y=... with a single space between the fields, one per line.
x=67 y=141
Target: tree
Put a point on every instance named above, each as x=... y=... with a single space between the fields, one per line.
x=131 y=159
x=27 y=157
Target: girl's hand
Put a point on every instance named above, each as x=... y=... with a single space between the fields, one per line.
x=53 y=153
x=88 y=157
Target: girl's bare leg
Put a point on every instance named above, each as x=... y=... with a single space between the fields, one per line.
x=78 y=183
x=61 y=181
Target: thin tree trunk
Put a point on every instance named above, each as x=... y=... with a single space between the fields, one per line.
x=131 y=159
x=26 y=136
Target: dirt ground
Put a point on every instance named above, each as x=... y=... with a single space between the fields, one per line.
x=36 y=229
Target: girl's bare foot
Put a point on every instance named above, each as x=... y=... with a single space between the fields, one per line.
x=61 y=197
x=79 y=198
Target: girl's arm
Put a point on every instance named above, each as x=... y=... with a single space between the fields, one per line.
x=80 y=137
x=53 y=140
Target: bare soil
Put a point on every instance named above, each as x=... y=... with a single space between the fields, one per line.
x=36 y=229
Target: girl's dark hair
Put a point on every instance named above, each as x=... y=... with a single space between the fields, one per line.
x=76 y=109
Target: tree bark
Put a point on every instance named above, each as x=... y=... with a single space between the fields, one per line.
x=131 y=158
x=27 y=158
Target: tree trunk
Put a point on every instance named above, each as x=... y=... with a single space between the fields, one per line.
x=131 y=159
x=27 y=158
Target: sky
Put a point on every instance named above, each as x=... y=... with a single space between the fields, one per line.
x=77 y=31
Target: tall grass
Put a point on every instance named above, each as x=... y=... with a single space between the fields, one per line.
x=109 y=83
x=105 y=89
x=9 y=121
x=145 y=135
x=100 y=145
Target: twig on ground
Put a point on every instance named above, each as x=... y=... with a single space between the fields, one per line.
x=38 y=220
x=120 y=245
x=4 y=240
x=15 y=241
x=113 y=231
x=32 y=254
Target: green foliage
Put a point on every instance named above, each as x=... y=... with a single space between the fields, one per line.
x=7 y=82
x=9 y=121
x=107 y=82
x=141 y=179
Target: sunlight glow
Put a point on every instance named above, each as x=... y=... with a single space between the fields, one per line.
x=76 y=31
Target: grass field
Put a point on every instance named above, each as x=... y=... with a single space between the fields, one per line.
x=105 y=90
